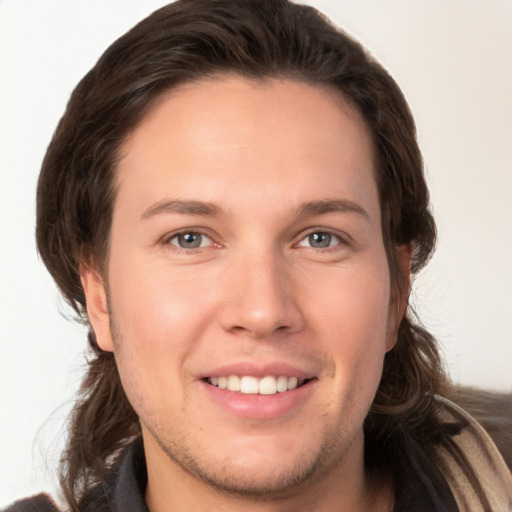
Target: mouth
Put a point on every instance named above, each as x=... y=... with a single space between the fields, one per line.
x=250 y=385
x=260 y=391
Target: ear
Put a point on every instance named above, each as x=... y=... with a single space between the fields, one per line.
x=97 y=306
x=400 y=300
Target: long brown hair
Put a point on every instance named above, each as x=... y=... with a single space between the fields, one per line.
x=190 y=40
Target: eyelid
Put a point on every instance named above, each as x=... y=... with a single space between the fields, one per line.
x=344 y=238
x=166 y=239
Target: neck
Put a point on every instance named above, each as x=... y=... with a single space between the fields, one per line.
x=346 y=487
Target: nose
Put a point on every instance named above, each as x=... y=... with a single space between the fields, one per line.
x=261 y=298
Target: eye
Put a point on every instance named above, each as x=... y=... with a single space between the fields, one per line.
x=320 y=240
x=190 y=240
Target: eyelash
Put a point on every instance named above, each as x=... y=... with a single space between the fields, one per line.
x=167 y=241
x=341 y=240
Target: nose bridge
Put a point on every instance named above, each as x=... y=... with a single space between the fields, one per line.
x=261 y=298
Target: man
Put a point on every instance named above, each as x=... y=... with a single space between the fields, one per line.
x=234 y=201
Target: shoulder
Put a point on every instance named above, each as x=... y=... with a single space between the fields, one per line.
x=493 y=410
x=490 y=468
x=39 y=503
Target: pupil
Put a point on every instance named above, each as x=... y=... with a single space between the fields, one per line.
x=320 y=240
x=189 y=240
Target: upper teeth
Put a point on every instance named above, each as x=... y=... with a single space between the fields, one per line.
x=268 y=385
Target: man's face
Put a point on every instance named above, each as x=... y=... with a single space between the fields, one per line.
x=246 y=250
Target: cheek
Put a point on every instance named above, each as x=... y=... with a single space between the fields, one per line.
x=156 y=327
x=353 y=300
x=353 y=321
x=156 y=308
x=157 y=322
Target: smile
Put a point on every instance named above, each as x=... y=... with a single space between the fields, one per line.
x=247 y=384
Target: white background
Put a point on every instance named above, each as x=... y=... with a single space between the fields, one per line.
x=453 y=59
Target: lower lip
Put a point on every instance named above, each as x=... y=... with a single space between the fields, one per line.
x=259 y=406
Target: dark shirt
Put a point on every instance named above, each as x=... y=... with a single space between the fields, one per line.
x=125 y=485
x=122 y=491
x=124 y=488
x=39 y=503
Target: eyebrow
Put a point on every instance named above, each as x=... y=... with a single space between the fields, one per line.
x=201 y=208
x=181 y=207
x=327 y=206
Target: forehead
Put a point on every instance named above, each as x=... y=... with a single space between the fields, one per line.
x=229 y=138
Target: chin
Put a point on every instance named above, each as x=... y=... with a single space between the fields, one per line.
x=260 y=481
x=277 y=471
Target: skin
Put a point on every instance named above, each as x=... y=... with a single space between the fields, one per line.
x=258 y=290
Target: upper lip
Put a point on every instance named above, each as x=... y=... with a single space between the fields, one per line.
x=258 y=370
